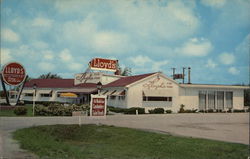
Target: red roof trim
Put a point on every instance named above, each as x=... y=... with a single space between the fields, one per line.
x=124 y=81
x=57 y=83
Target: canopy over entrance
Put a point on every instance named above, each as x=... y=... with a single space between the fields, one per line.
x=68 y=95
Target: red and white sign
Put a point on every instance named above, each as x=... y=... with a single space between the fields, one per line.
x=103 y=64
x=13 y=74
x=98 y=106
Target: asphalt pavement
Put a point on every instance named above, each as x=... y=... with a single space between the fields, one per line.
x=229 y=127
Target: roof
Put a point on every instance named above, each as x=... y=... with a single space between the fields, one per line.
x=57 y=83
x=213 y=86
x=124 y=81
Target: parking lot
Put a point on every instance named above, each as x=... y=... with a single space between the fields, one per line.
x=229 y=127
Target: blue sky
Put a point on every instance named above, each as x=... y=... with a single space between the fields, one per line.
x=62 y=36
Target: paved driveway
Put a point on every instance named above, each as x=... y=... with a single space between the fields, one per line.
x=231 y=127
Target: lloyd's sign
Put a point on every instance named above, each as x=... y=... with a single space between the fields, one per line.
x=98 y=106
x=103 y=64
x=13 y=74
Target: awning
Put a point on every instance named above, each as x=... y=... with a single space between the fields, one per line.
x=104 y=92
x=28 y=91
x=119 y=93
x=68 y=95
x=158 y=93
x=44 y=91
x=79 y=90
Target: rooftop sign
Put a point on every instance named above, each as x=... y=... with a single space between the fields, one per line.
x=13 y=74
x=103 y=64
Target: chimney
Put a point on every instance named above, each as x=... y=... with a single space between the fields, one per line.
x=173 y=72
x=189 y=75
x=183 y=74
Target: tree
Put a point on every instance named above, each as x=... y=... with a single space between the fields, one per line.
x=126 y=71
x=50 y=76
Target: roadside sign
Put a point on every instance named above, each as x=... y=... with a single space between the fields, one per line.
x=103 y=64
x=98 y=106
x=13 y=74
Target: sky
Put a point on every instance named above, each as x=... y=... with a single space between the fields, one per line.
x=62 y=36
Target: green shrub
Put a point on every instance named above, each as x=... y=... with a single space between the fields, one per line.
x=168 y=111
x=133 y=110
x=182 y=108
x=238 y=110
x=116 y=109
x=210 y=110
x=57 y=109
x=156 y=111
x=20 y=110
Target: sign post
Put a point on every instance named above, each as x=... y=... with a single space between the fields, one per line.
x=98 y=106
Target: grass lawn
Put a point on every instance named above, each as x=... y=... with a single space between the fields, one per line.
x=11 y=113
x=98 y=142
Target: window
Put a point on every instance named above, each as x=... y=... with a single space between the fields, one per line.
x=46 y=95
x=121 y=97
x=58 y=95
x=211 y=99
x=112 y=97
x=152 y=98
x=229 y=99
x=29 y=94
x=202 y=100
x=220 y=100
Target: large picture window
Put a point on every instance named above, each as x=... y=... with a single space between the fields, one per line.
x=220 y=100
x=46 y=95
x=157 y=98
x=202 y=100
x=211 y=99
x=229 y=99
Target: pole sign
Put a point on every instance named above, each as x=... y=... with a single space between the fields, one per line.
x=13 y=74
x=98 y=106
x=103 y=64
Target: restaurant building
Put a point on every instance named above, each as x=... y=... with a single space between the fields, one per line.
x=149 y=91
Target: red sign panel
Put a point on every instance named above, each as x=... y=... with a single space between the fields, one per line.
x=103 y=64
x=178 y=76
x=13 y=73
x=98 y=106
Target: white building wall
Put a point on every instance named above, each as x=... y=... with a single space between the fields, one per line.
x=165 y=87
x=190 y=97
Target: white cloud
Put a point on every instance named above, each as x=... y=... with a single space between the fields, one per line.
x=76 y=67
x=145 y=64
x=42 y=22
x=9 y=35
x=157 y=65
x=211 y=63
x=46 y=66
x=195 y=47
x=233 y=71
x=140 y=60
x=5 y=56
x=40 y=44
x=48 y=55
x=176 y=20
x=65 y=55
x=227 y=58
x=214 y=3
x=110 y=43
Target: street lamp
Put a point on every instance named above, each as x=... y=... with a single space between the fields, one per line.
x=99 y=86
x=34 y=96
